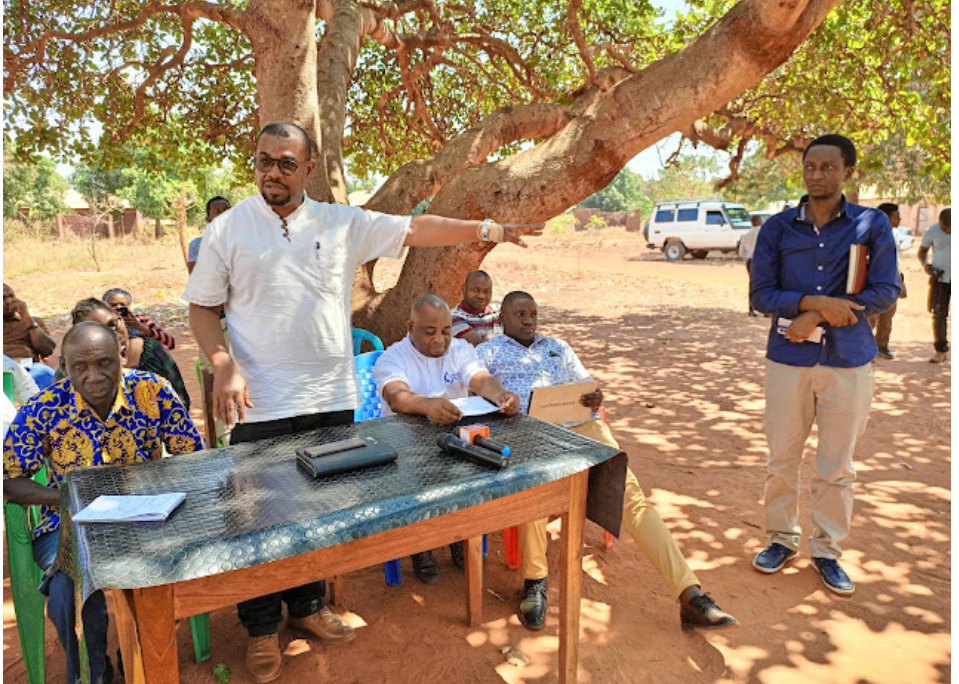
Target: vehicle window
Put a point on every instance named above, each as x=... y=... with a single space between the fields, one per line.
x=715 y=218
x=664 y=216
x=687 y=214
x=738 y=214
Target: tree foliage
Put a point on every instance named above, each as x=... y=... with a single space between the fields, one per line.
x=158 y=187
x=512 y=110
x=877 y=70
x=624 y=193
x=32 y=188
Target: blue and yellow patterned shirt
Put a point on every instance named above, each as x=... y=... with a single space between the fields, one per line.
x=57 y=428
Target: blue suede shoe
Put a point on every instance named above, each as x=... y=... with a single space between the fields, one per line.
x=773 y=558
x=833 y=576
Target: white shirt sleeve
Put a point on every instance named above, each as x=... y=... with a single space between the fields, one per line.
x=390 y=368
x=927 y=235
x=467 y=360
x=209 y=284
x=373 y=235
x=24 y=386
x=577 y=371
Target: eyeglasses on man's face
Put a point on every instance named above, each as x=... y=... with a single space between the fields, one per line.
x=264 y=164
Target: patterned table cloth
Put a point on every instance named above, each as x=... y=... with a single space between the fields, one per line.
x=250 y=503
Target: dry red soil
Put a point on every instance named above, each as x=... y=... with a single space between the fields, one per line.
x=681 y=365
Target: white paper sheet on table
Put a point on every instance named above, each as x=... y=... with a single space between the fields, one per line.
x=475 y=406
x=132 y=508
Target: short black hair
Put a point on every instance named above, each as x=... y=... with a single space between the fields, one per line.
x=86 y=330
x=945 y=216
x=515 y=295
x=478 y=273
x=888 y=208
x=288 y=129
x=846 y=147
x=87 y=306
x=212 y=200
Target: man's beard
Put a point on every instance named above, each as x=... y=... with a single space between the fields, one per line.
x=276 y=202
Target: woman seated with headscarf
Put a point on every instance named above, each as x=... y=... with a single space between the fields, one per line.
x=139 y=324
x=140 y=353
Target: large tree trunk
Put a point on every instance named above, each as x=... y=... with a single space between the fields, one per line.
x=283 y=34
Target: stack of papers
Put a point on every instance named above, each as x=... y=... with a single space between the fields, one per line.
x=132 y=508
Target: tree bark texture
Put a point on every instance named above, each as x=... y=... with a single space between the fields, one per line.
x=581 y=144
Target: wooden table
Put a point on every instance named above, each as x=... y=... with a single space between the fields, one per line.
x=247 y=514
x=146 y=618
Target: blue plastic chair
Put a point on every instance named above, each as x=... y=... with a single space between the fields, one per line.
x=371 y=406
x=359 y=335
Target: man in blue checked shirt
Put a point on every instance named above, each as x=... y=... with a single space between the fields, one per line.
x=799 y=273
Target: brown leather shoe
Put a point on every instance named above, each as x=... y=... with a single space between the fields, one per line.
x=264 y=662
x=325 y=627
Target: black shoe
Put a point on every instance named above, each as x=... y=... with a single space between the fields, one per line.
x=701 y=612
x=458 y=555
x=532 y=607
x=425 y=567
x=885 y=353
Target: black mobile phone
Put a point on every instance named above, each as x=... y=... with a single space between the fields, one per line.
x=122 y=311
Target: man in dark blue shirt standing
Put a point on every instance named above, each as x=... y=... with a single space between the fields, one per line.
x=819 y=352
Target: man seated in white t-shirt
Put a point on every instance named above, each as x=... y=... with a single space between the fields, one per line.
x=421 y=373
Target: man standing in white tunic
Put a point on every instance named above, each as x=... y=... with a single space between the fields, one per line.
x=280 y=266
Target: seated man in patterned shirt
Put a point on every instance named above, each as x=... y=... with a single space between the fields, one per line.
x=476 y=319
x=523 y=361
x=421 y=373
x=99 y=415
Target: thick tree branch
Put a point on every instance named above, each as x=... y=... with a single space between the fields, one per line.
x=736 y=52
x=420 y=179
x=161 y=67
x=572 y=21
x=778 y=16
x=335 y=62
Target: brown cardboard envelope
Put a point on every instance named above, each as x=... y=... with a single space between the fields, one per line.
x=559 y=404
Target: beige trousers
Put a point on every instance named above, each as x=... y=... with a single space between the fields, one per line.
x=838 y=399
x=639 y=519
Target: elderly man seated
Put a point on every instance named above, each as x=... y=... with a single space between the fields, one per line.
x=523 y=361
x=421 y=373
x=99 y=415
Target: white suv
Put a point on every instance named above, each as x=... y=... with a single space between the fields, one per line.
x=697 y=227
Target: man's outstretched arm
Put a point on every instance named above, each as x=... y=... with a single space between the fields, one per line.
x=430 y=230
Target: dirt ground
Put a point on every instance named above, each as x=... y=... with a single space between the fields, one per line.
x=681 y=365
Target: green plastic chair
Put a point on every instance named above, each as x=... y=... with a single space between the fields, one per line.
x=25 y=577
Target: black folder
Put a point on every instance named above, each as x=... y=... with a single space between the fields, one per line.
x=340 y=457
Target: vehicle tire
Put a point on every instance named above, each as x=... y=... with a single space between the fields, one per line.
x=699 y=254
x=674 y=250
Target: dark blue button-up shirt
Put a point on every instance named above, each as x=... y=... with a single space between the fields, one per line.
x=793 y=259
